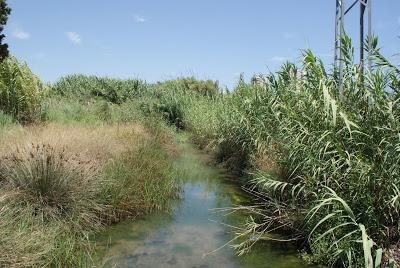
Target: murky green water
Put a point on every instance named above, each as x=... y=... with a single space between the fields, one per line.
x=188 y=237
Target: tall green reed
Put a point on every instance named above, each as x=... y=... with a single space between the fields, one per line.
x=21 y=92
x=324 y=142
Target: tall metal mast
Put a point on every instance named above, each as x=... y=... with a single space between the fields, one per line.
x=339 y=32
x=369 y=35
x=362 y=10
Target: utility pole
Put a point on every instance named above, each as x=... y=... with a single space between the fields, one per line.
x=365 y=4
x=339 y=32
x=369 y=35
x=362 y=10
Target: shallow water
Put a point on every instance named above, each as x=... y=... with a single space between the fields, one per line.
x=189 y=235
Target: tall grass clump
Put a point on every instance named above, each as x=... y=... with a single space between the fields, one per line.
x=72 y=111
x=60 y=184
x=135 y=188
x=84 y=88
x=47 y=196
x=171 y=106
x=21 y=92
x=98 y=100
x=190 y=104
x=189 y=85
x=337 y=152
x=324 y=164
x=201 y=118
x=209 y=117
x=6 y=120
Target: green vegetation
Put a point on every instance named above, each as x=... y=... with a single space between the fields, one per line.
x=21 y=92
x=73 y=162
x=190 y=84
x=49 y=206
x=71 y=181
x=5 y=120
x=87 y=87
x=324 y=166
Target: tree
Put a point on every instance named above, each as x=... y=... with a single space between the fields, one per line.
x=4 y=12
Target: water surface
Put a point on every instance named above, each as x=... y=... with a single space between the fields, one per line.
x=189 y=236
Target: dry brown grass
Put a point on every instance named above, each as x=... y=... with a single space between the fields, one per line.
x=266 y=163
x=393 y=253
x=95 y=144
x=61 y=183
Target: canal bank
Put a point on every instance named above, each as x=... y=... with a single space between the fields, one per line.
x=193 y=234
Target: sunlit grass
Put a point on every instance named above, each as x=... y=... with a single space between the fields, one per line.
x=62 y=183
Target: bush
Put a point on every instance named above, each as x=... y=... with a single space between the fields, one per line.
x=84 y=87
x=190 y=84
x=171 y=107
x=58 y=186
x=21 y=92
x=47 y=195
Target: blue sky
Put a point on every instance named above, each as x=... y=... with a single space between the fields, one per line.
x=157 y=40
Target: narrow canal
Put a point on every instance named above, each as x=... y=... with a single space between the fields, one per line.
x=190 y=235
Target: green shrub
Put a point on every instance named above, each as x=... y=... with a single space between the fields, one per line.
x=111 y=90
x=170 y=106
x=190 y=84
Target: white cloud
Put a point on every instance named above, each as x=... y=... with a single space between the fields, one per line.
x=279 y=59
x=74 y=37
x=139 y=18
x=288 y=35
x=20 y=34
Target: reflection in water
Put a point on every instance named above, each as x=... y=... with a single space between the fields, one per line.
x=188 y=236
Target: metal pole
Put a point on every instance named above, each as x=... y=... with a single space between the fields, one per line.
x=335 y=57
x=369 y=35
x=350 y=7
x=340 y=51
x=362 y=10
